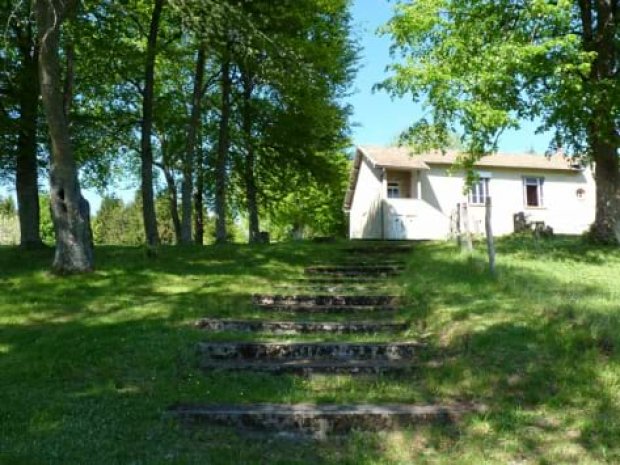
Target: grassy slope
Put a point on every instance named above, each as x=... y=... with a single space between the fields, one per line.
x=89 y=364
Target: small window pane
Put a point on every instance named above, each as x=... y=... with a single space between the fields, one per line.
x=533 y=192
x=479 y=192
x=393 y=190
x=532 y=196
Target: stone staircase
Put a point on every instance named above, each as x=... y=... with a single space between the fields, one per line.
x=321 y=420
x=334 y=282
x=309 y=357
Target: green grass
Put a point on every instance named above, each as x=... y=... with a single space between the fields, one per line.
x=88 y=364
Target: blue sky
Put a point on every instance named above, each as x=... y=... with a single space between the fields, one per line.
x=377 y=118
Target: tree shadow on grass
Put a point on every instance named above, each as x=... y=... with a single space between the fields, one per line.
x=540 y=349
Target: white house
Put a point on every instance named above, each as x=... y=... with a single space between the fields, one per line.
x=394 y=194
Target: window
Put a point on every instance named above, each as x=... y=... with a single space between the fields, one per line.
x=479 y=191
x=393 y=190
x=533 y=191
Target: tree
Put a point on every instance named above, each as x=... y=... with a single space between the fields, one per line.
x=223 y=147
x=70 y=211
x=484 y=66
x=20 y=109
x=313 y=204
x=193 y=126
x=146 y=154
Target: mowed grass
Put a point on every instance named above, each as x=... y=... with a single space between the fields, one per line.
x=89 y=364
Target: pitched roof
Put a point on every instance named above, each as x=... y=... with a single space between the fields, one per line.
x=404 y=158
x=392 y=157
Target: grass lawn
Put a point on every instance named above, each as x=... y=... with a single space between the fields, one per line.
x=89 y=364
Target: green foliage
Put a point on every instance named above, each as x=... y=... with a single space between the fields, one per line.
x=485 y=66
x=7 y=206
x=312 y=206
x=116 y=223
x=46 y=224
x=9 y=224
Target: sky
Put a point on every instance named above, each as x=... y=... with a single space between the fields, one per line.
x=377 y=118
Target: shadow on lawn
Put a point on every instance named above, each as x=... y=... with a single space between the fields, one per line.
x=536 y=349
x=105 y=353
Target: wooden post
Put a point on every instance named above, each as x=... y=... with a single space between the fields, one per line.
x=489 y=232
x=459 y=239
x=469 y=246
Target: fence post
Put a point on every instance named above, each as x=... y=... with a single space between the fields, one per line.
x=469 y=246
x=489 y=233
x=457 y=226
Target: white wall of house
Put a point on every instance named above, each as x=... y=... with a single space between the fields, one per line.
x=435 y=193
x=561 y=208
x=364 y=216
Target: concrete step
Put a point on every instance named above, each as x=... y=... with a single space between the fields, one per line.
x=312 y=308
x=344 y=270
x=300 y=327
x=309 y=350
x=321 y=420
x=347 y=300
x=308 y=366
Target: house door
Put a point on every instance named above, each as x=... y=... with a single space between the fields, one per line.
x=398 y=227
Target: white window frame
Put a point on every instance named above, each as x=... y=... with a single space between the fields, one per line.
x=538 y=182
x=393 y=187
x=479 y=191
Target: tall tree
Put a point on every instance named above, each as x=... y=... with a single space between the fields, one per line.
x=600 y=36
x=146 y=154
x=223 y=147
x=20 y=107
x=70 y=211
x=486 y=65
x=187 y=186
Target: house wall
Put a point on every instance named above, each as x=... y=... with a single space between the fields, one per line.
x=365 y=214
x=431 y=212
x=561 y=209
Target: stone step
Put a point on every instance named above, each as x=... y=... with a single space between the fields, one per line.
x=344 y=270
x=309 y=350
x=365 y=263
x=340 y=279
x=299 y=327
x=383 y=249
x=323 y=419
x=308 y=366
x=347 y=300
x=367 y=288
x=312 y=308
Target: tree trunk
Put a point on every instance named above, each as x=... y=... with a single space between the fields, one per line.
x=26 y=179
x=173 y=201
x=606 y=227
x=70 y=211
x=199 y=228
x=148 y=201
x=250 y=160
x=222 y=156
x=187 y=186
x=599 y=35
